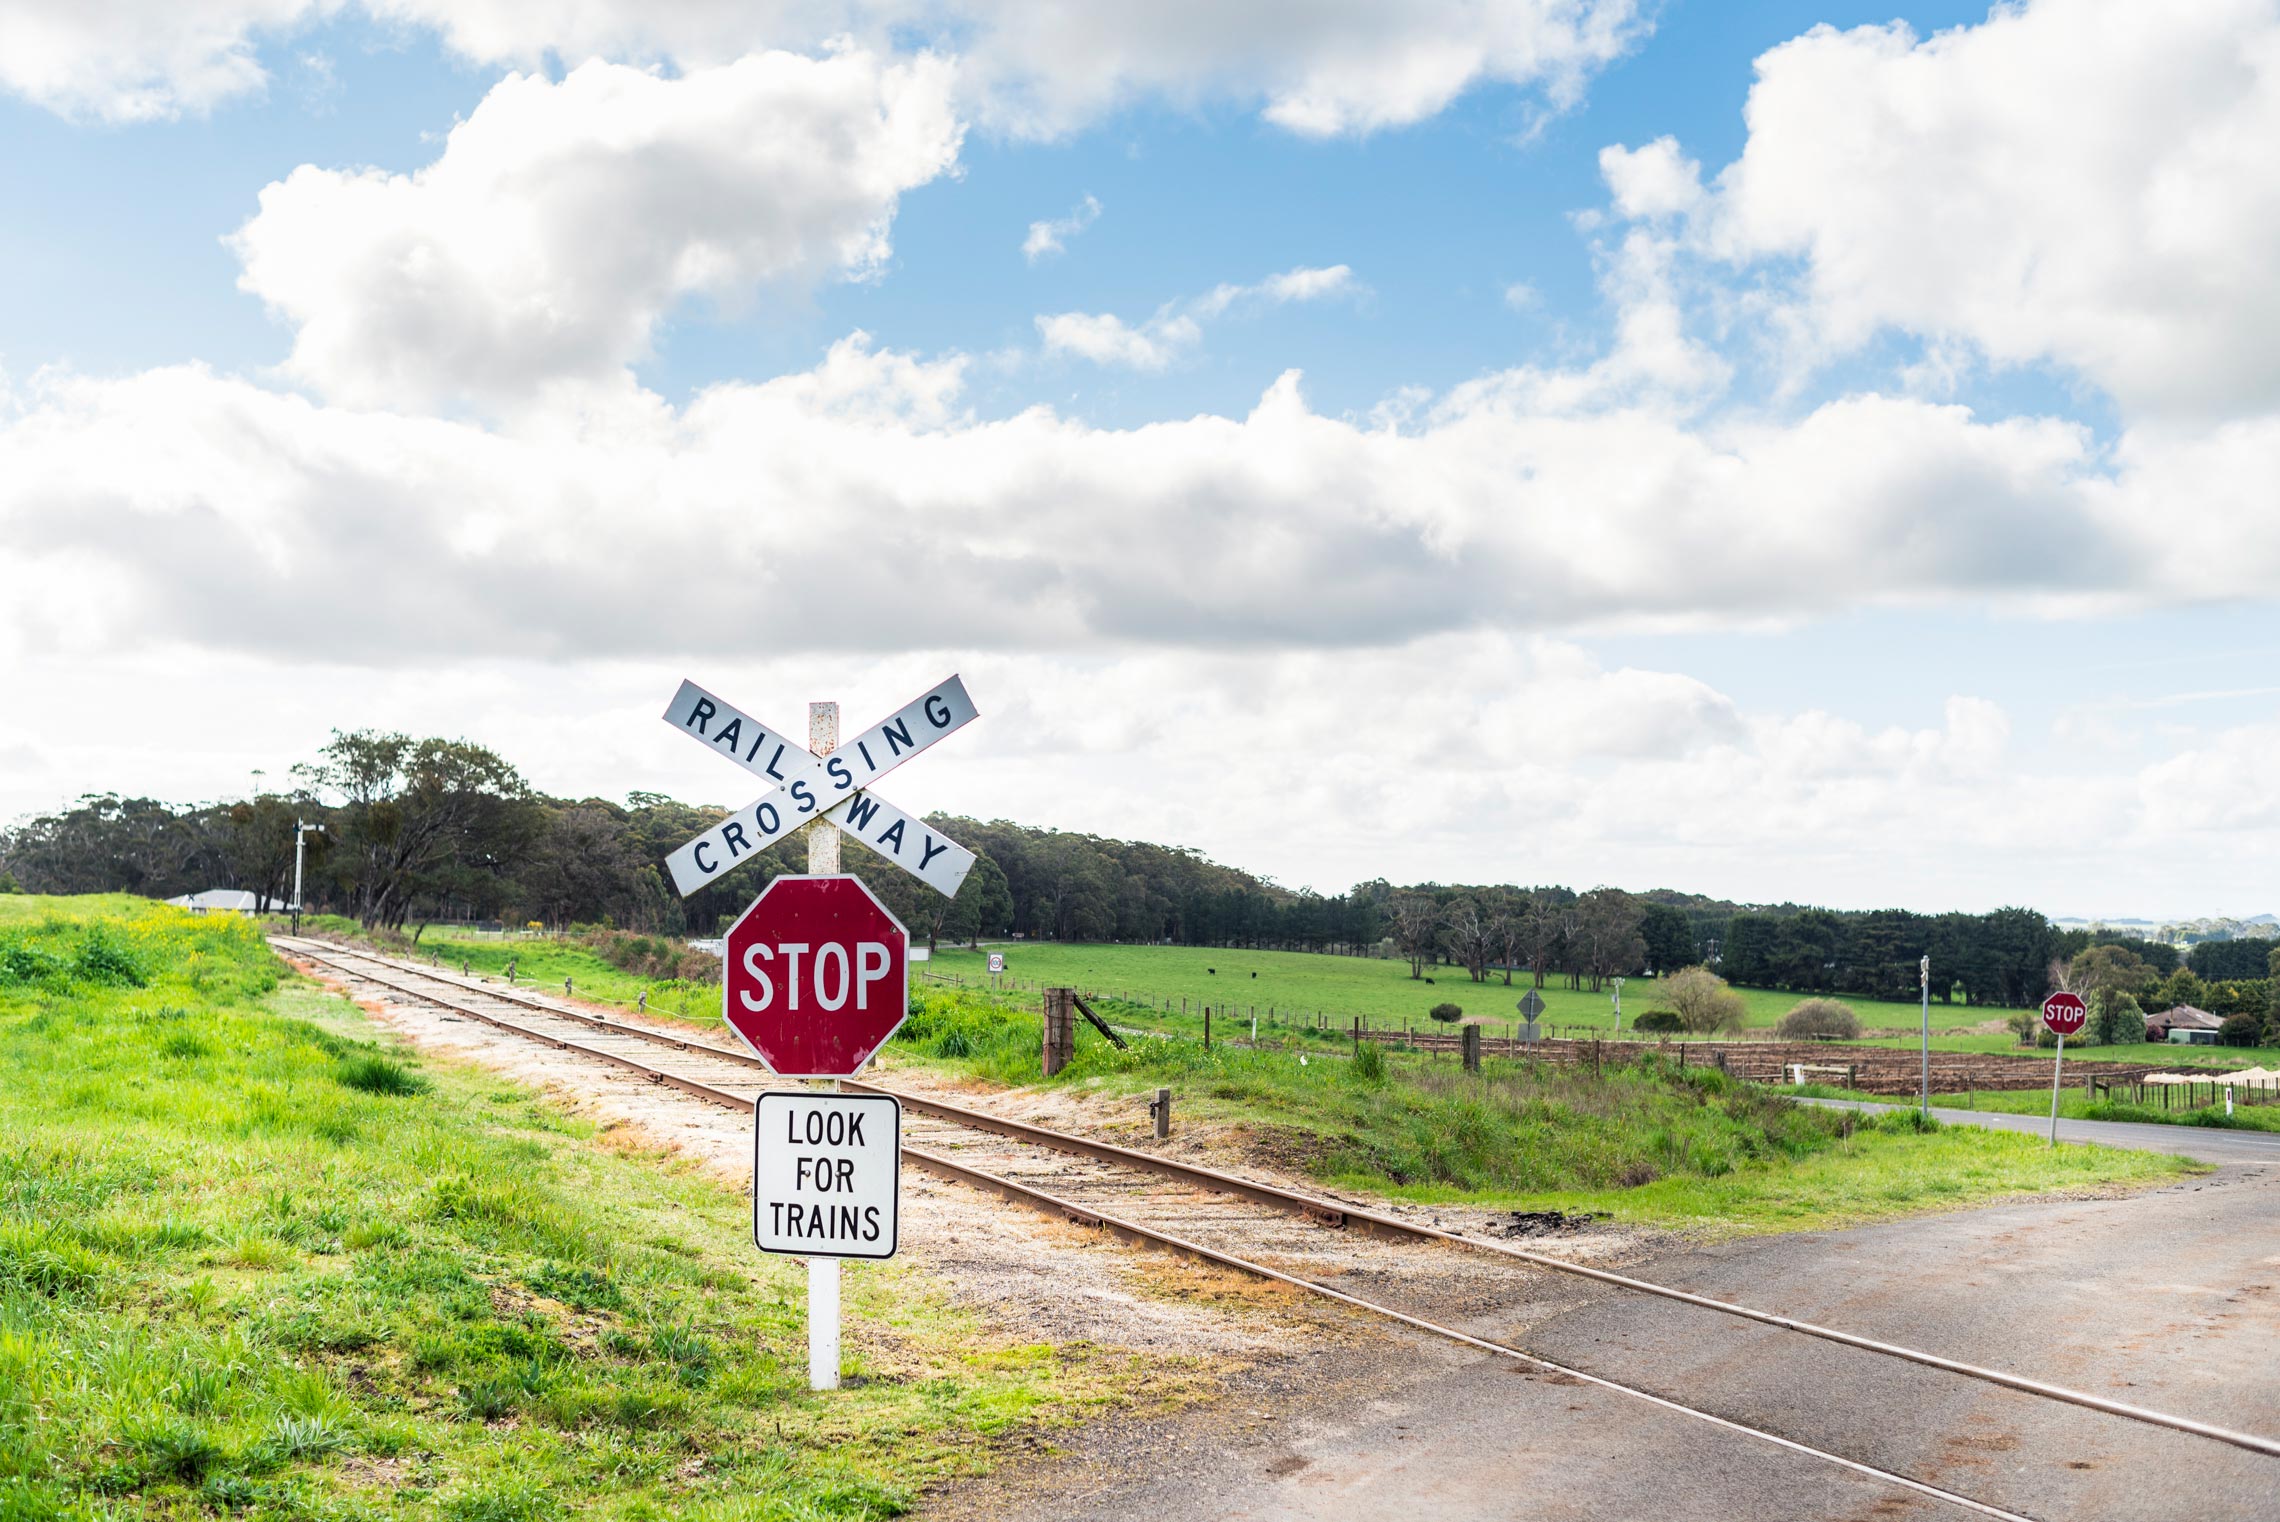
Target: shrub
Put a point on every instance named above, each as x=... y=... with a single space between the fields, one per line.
x=2239 y=1030
x=1703 y=1002
x=1820 y=1019
x=1663 y=1021
x=1447 y=1014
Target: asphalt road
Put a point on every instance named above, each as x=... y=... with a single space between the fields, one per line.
x=2169 y=1299
x=2204 y=1142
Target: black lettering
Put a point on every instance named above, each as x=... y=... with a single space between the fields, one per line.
x=860 y=809
x=844 y=1175
x=870 y=1223
x=772 y=760
x=792 y=1217
x=768 y=819
x=733 y=833
x=866 y=750
x=791 y=1118
x=899 y=729
x=776 y=1217
x=932 y=850
x=697 y=715
x=697 y=855
x=893 y=833
x=806 y=798
x=847 y=1222
x=938 y=720
x=841 y=777
x=855 y=1129
x=759 y=738
x=728 y=737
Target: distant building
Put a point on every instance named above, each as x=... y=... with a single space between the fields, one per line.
x=228 y=901
x=2184 y=1025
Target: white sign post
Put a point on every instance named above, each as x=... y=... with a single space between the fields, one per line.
x=826 y=1185
x=826 y=1180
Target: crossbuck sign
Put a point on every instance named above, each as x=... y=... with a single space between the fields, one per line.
x=806 y=786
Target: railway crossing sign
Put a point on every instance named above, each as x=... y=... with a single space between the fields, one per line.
x=815 y=976
x=1531 y=1005
x=826 y=1174
x=2064 y=1013
x=805 y=786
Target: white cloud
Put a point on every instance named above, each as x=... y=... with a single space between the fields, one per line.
x=1105 y=339
x=2086 y=182
x=562 y=220
x=138 y=60
x=1051 y=237
x=1654 y=181
x=1032 y=69
x=180 y=503
x=1301 y=284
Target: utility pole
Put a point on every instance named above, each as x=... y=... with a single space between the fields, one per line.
x=1924 y=976
x=1618 y=982
x=300 y=830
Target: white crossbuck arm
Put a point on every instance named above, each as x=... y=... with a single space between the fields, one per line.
x=834 y=787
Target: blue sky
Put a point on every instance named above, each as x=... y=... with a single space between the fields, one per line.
x=1780 y=500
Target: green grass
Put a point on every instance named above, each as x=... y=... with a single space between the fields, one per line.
x=255 y=1263
x=1382 y=992
x=1648 y=1143
x=542 y=962
x=2076 y=1105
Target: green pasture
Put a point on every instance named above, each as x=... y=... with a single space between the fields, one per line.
x=257 y=1261
x=542 y=962
x=1380 y=991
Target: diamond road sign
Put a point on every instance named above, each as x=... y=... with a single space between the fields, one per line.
x=1531 y=1004
x=807 y=786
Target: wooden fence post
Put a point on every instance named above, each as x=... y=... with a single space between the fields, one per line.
x=1060 y=1028
x=1472 y=1048
x=1207 y=1027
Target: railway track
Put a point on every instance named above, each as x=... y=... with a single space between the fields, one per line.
x=1244 y=1224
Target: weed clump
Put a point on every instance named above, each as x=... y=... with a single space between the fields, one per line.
x=375 y=1074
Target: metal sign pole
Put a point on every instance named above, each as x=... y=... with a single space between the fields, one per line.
x=1924 y=1099
x=823 y=1273
x=2055 y=1068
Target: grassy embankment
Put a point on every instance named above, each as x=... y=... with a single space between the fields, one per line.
x=1650 y=1146
x=253 y=1261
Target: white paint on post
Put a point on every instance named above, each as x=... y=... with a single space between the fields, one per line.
x=2056 y=1067
x=823 y=1323
x=823 y=835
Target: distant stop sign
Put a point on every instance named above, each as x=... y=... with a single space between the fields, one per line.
x=2064 y=1013
x=817 y=976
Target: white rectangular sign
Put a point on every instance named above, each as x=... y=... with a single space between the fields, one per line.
x=832 y=786
x=826 y=1174
x=997 y=961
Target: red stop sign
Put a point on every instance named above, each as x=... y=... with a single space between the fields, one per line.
x=2064 y=1013
x=816 y=977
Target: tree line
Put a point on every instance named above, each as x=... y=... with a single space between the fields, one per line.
x=410 y=831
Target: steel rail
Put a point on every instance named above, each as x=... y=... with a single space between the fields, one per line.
x=1338 y=1213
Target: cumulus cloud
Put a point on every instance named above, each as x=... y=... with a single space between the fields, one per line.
x=139 y=60
x=1051 y=237
x=562 y=220
x=190 y=499
x=2083 y=182
x=1032 y=69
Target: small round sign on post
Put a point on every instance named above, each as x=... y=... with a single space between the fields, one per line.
x=2064 y=1014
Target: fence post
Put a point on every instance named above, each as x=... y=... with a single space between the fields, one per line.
x=1472 y=1048
x=1207 y=1027
x=1060 y=1028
